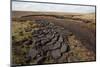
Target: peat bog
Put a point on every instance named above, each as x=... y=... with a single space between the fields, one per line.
x=43 y=38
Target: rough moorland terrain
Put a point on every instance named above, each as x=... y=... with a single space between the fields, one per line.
x=39 y=38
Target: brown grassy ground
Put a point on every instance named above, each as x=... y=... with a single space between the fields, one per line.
x=82 y=26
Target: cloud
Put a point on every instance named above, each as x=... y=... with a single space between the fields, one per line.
x=30 y=6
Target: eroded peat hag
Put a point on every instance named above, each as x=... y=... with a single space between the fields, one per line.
x=48 y=42
x=39 y=39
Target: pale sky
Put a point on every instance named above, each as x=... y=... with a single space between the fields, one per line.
x=30 y=6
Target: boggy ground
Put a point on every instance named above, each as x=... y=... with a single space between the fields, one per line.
x=40 y=38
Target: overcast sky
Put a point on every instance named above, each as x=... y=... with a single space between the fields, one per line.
x=30 y=6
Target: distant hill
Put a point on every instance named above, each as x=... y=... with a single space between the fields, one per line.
x=25 y=13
